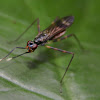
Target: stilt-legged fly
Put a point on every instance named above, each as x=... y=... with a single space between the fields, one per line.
x=53 y=33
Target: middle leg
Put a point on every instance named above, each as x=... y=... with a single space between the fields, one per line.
x=64 y=51
x=38 y=26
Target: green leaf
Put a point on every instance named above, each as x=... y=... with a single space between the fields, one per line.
x=36 y=76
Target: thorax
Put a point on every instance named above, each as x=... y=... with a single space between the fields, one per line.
x=41 y=38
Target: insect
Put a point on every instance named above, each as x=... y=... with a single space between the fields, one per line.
x=53 y=33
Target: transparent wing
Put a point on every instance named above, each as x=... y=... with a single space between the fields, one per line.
x=58 y=28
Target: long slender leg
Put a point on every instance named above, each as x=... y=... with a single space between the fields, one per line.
x=29 y=28
x=11 y=52
x=17 y=56
x=64 y=51
x=38 y=26
x=70 y=35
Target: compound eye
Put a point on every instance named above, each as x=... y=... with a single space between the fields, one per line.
x=31 y=43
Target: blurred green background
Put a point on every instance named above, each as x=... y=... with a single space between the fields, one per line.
x=36 y=76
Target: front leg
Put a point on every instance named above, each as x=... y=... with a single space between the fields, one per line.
x=11 y=52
